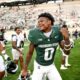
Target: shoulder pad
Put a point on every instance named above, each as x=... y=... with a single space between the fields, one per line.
x=13 y=35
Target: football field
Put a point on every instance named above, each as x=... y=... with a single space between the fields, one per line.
x=72 y=73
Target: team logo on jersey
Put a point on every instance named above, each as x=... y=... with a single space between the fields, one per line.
x=40 y=39
x=56 y=37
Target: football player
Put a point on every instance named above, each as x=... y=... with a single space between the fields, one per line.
x=45 y=39
x=17 y=47
x=2 y=54
x=64 y=61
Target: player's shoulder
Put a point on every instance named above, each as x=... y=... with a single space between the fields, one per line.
x=14 y=35
x=34 y=31
x=56 y=27
x=21 y=34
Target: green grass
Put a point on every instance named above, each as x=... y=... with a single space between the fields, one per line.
x=72 y=73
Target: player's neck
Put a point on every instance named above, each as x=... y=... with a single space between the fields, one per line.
x=17 y=33
x=48 y=30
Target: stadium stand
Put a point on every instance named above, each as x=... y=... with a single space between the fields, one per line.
x=27 y=15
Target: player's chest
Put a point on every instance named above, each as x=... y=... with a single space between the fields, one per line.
x=48 y=40
x=18 y=38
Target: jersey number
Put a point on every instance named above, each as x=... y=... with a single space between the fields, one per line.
x=48 y=53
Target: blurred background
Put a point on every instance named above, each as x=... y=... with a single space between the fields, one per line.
x=24 y=13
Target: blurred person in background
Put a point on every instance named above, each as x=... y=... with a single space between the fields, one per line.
x=17 y=45
x=64 y=61
x=3 y=54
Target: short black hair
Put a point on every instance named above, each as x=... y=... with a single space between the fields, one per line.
x=64 y=26
x=16 y=28
x=47 y=15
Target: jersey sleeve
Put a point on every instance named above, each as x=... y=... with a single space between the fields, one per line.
x=31 y=37
x=14 y=38
x=57 y=27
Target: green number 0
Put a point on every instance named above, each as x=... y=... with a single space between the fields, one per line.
x=48 y=53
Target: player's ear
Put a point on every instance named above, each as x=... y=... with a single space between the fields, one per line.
x=49 y=22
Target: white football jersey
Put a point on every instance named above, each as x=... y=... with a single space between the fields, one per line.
x=18 y=39
x=21 y=36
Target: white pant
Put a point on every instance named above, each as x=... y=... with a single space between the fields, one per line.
x=50 y=71
x=2 y=66
x=63 y=54
x=15 y=54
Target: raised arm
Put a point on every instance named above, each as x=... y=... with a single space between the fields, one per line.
x=65 y=44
